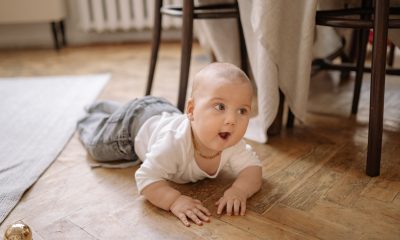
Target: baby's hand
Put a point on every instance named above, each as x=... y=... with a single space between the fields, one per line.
x=188 y=208
x=234 y=199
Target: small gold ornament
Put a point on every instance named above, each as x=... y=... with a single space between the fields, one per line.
x=18 y=231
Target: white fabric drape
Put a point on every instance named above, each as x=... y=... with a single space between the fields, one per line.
x=279 y=37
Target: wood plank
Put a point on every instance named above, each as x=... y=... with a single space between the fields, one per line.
x=310 y=224
x=71 y=199
x=379 y=226
x=263 y=227
x=282 y=152
x=317 y=186
x=163 y=224
x=64 y=229
x=306 y=195
x=217 y=229
x=382 y=190
x=396 y=200
x=387 y=186
x=355 y=183
x=133 y=220
x=346 y=191
x=53 y=205
x=280 y=185
x=205 y=189
x=377 y=207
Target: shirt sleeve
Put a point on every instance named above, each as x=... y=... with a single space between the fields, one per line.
x=242 y=157
x=161 y=162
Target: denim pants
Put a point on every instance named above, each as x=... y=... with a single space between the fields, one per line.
x=108 y=131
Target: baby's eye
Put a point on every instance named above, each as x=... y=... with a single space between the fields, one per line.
x=220 y=107
x=243 y=111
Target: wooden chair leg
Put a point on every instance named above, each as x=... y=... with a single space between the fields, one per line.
x=377 y=88
x=354 y=45
x=243 y=49
x=54 y=30
x=63 y=36
x=187 y=40
x=155 y=45
x=276 y=125
x=391 y=54
x=360 y=68
x=345 y=74
x=290 y=119
x=362 y=50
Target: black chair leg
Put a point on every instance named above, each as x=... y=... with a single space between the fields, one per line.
x=363 y=40
x=354 y=45
x=187 y=40
x=362 y=50
x=377 y=88
x=54 y=30
x=62 y=31
x=290 y=119
x=155 y=45
x=276 y=125
x=243 y=49
x=345 y=74
x=391 y=55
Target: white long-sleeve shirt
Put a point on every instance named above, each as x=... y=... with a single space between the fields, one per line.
x=165 y=147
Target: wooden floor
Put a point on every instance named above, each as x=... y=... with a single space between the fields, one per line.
x=314 y=182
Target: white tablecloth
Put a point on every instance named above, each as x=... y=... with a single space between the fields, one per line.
x=281 y=40
x=279 y=36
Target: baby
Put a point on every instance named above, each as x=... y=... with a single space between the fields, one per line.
x=182 y=147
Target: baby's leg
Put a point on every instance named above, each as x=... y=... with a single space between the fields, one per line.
x=104 y=106
x=108 y=133
x=104 y=135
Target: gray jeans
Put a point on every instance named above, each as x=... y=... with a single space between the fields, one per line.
x=109 y=129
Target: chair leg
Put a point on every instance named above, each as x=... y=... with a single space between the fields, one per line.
x=243 y=49
x=54 y=30
x=363 y=40
x=276 y=126
x=391 y=54
x=345 y=74
x=362 y=49
x=62 y=30
x=377 y=88
x=155 y=44
x=354 y=46
x=186 y=52
x=290 y=119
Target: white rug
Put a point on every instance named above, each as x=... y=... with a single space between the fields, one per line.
x=37 y=118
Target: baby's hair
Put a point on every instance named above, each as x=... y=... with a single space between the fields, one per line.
x=219 y=70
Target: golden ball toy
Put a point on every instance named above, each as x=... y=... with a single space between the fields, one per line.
x=18 y=231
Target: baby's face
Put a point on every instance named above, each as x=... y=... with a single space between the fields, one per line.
x=220 y=113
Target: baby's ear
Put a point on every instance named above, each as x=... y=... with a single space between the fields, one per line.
x=190 y=108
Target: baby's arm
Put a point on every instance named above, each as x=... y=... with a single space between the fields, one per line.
x=247 y=183
x=184 y=207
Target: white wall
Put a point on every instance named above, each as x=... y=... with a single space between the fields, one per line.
x=39 y=34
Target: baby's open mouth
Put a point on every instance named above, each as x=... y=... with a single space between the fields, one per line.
x=224 y=135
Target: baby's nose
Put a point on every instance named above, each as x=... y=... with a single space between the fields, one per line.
x=230 y=118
